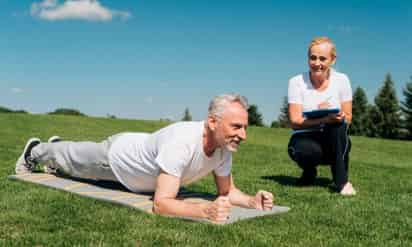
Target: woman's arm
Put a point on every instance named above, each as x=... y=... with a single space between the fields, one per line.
x=297 y=121
x=347 y=109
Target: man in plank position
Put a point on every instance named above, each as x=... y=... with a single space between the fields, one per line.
x=161 y=162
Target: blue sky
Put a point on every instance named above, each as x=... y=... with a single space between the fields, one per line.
x=151 y=59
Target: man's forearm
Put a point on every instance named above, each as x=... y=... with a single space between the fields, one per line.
x=174 y=207
x=241 y=199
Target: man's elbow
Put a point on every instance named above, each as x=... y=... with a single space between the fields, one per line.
x=158 y=206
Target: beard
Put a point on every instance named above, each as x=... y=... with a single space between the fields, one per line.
x=231 y=146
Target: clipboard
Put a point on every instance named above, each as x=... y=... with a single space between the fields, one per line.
x=320 y=113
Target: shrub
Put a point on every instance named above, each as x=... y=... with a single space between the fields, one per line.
x=67 y=111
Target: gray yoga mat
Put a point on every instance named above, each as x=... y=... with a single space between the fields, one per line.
x=116 y=193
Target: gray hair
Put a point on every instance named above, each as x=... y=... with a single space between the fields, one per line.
x=218 y=104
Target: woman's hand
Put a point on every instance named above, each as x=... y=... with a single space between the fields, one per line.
x=335 y=118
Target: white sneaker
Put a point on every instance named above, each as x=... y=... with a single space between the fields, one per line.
x=54 y=139
x=51 y=167
x=348 y=190
x=25 y=164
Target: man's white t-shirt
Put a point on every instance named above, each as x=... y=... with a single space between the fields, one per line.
x=137 y=158
x=301 y=91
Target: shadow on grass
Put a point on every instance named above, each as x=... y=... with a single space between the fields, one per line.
x=113 y=185
x=100 y=183
x=292 y=181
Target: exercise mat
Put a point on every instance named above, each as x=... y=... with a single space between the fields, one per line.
x=116 y=193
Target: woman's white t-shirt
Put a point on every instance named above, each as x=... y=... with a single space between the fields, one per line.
x=301 y=91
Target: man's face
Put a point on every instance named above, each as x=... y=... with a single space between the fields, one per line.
x=230 y=128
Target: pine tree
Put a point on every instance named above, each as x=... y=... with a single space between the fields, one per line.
x=255 y=118
x=359 y=113
x=275 y=124
x=186 y=115
x=375 y=124
x=283 y=119
x=387 y=104
x=406 y=107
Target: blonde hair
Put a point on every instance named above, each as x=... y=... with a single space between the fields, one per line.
x=321 y=40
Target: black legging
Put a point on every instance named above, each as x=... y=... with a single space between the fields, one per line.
x=331 y=146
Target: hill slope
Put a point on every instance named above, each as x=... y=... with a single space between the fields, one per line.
x=380 y=215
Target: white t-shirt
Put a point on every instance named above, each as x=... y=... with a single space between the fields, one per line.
x=301 y=91
x=137 y=158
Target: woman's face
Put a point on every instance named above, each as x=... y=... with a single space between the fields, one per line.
x=321 y=59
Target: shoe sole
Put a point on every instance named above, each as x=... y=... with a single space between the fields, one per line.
x=23 y=165
x=54 y=139
x=27 y=149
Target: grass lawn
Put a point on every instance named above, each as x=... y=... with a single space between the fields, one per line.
x=380 y=215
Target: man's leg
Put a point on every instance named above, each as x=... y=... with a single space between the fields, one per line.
x=87 y=160
x=307 y=152
x=336 y=143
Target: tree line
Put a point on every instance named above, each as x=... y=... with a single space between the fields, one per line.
x=386 y=118
x=8 y=110
x=58 y=111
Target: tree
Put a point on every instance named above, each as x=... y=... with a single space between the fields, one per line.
x=67 y=111
x=255 y=118
x=20 y=111
x=375 y=123
x=359 y=113
x=111 y=116
x=406 y=107
x=275 y=124
x=5 y=110
x=186 y=115
x=283 y=119
x=387 y=104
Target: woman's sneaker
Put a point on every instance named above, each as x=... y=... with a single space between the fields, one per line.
x=25 y=163
x=348 y=190
x=51 y=167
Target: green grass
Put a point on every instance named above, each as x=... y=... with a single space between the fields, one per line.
x=380 y=215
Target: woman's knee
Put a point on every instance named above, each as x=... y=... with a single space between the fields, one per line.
x=305 y=151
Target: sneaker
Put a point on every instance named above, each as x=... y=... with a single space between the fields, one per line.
x=25 y=164
x=54 y=139
x=348 y=190
x=51 y=167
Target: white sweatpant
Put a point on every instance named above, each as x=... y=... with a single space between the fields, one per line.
x=88 y=160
